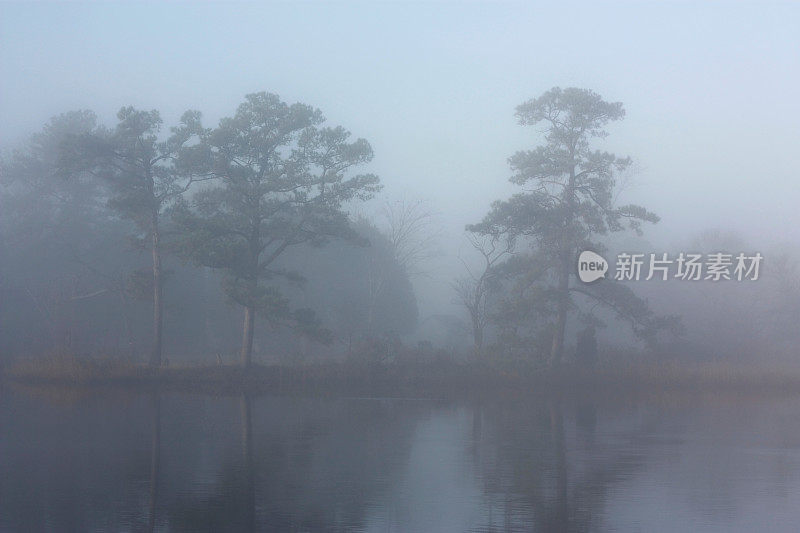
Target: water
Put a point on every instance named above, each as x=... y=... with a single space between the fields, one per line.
x=73 y=461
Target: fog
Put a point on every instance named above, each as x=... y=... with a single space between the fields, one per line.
x=395 y=265
x=710 y=96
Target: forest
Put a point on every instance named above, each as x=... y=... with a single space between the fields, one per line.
x=143 y=244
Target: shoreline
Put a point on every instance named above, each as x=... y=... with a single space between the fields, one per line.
x=430 y=379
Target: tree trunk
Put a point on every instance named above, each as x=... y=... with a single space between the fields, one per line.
x=158 y=319
x=126 y=324
x=252 y=287
x=477 y=335
x=557 y=350
x=207 y=335
x=247 y=335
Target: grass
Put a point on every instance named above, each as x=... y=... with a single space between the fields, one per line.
x=431 y=378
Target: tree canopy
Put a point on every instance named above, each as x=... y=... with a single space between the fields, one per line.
x=569 y=193
x=281 y=179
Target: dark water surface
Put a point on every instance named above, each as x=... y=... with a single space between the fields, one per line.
x=172 y=462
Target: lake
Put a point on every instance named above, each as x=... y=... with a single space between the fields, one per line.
x=125 y=461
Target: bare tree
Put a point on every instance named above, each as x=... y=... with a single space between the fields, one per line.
x=472 y=290
x=412 y=232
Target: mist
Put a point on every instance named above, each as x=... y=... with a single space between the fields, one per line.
x=285 y=201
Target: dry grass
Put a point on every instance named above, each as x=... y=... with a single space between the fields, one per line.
x=435 y=378
x=76 y=370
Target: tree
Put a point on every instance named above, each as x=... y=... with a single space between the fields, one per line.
x=409 y=229
x=412 y=232
x=280 y=183
x=570 y=195
x=62 y=235
x=473 y=290
x=145 y=176
x=340 y=286
x=521 y=306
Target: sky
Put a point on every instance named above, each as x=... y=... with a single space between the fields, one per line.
x=710 y=90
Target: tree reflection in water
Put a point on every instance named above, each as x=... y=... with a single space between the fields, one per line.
x=159 y=461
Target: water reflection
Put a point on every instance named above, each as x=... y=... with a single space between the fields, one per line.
x=166 y=462
x=156 y=459
x=247 y=466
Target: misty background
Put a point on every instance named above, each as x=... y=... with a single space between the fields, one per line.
x=710 y=100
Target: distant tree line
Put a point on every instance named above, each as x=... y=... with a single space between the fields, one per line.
x=130 y=240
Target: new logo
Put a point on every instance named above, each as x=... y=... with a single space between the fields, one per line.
x=591 y=266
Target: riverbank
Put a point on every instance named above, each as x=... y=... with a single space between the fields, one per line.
x=439 y=378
